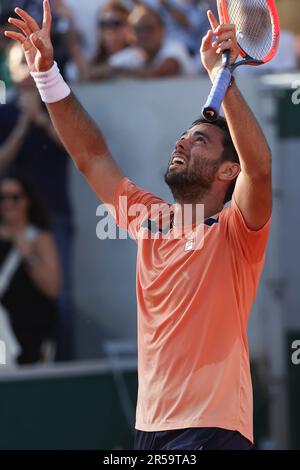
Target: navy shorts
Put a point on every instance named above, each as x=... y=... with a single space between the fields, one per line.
x=191 y=439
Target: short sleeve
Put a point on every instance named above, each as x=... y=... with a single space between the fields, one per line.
x=250 y=244
x=133 y=206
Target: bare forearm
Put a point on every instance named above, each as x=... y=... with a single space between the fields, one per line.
x=248 y=138
x=77 y=131
x=46 y=282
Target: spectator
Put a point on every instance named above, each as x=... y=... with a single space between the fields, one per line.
x=153 y=56
x=113 y=36
x=29 y=296
x=185 y=20
x=29 y=143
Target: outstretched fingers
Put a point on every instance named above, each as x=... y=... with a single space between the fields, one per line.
x=30 y=22
x=16 y=36
x=214 y=23
x=47 y=18
x=21 y=25
x=217 y=27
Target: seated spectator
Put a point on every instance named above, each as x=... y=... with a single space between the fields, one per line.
x=185 y=20
x=153 y=55
x=33 y=283
x=114 y=35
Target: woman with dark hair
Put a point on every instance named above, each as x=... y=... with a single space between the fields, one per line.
x=31 y=291
x=114 y=35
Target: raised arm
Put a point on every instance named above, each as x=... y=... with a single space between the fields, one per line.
x=77 y=131
x=87 y=147
x=253 y=191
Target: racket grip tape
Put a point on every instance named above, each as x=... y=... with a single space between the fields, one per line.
x=211 y=109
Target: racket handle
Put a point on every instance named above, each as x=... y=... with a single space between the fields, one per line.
x=211 y=109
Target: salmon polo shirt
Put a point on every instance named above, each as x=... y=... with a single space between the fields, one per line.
x=194 y=295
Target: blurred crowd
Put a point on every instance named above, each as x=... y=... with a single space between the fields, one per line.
x=36 y=311
x=35 y=226
x=134 y=39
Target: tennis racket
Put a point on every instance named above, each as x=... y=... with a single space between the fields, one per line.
x=258 y=33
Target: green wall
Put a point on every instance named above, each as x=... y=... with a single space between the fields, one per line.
x=80 y=412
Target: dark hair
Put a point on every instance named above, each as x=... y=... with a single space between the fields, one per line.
x=229 y=153
x=101 y=54
x=155 y=12
x=37 y=214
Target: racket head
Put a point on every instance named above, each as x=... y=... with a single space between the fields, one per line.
x=258 y=28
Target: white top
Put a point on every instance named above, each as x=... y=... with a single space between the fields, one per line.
x=134 y=57
x=130 y=58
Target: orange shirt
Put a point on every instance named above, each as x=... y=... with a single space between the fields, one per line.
x=193 y=309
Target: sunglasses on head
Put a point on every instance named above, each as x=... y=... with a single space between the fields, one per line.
x=13 y=197
x=113 y=24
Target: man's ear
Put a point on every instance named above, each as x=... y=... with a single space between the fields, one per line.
x=228 y=171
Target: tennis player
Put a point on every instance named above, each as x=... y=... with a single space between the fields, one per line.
x=193 y=304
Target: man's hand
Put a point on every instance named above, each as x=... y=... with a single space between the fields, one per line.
x=211 y=52
x=36 y=41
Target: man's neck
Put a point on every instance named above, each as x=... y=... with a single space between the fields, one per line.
x=193 y=212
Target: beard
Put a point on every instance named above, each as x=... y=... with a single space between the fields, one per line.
x=190 y=184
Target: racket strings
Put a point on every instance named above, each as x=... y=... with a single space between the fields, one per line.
x=254 y=26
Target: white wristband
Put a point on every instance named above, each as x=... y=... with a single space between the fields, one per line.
x=51 y=85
